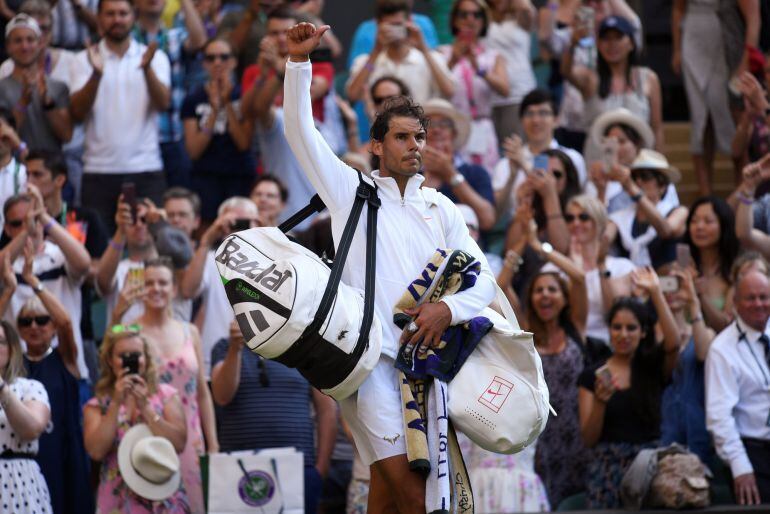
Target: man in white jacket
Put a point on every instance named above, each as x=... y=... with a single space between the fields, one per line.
x=411 y=225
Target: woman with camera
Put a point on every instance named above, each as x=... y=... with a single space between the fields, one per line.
x=619 y=399
x=128 y=394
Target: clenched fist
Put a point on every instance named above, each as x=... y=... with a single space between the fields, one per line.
x=303 y=38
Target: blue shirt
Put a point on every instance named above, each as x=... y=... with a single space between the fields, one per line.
x=260 y=416
x=366 y=35
x=171 y=41
x=477 y=177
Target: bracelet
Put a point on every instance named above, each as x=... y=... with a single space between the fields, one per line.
x=745 y=200
x=635 y=198
x=369 y=67
x=117 y=246
x=554 y=216
x=481 y=72
x=48 y=225
x=696 y=319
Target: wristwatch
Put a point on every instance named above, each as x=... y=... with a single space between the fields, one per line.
x=547 y=248
x=456 y=180
x=38 y=288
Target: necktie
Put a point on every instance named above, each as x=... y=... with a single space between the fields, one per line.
x=764 y=340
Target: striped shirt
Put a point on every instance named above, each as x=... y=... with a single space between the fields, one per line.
x=272 y=416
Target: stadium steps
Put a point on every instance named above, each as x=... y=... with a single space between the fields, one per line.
x=677 y=150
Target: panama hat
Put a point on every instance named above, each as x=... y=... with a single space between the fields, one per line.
x=621 y=116
x=656 y=161
x=461 y=121
x=148 y=464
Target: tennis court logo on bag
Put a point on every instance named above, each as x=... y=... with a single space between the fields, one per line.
x=256 y=488
x=495 y=394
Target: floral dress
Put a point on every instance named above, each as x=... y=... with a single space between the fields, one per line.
x=503 y=483
x=181 y=372
x=22 y=487
x=114 y=496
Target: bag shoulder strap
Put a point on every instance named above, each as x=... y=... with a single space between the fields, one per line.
x=315 y=205
x=365 y=194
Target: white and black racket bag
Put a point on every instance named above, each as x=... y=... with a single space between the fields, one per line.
x=292 y=308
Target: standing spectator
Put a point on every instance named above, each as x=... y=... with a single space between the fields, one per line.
x=683 y=409
x=365 y=36
x=121 y=87
x=714 y=247
x=175 y=42
x=24 y=416
x=400 y=50
x=13 y=173
x=619 y=400
x=698 y=54
x=62 y=456
x=269 y=195
x=737 y=402
x=538 y=119
x=648 y=229
x=72 y=23
x=201 y=278
x=122 y=400
x=245 y=29
x=264 y=404
x=479 y=71
x=509 y=33
x=618 y=81
x=179 y=363
x=217 y=135
x=445 y=170
x=39 y=103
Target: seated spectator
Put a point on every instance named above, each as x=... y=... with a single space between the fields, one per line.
x=13 y=173
x=736 y=391
x=538 y=120
x=23 y=418
x=714 y=247
x=446 y=171
x=183 y=209
x=201 y=278
x=617 y=81
x=40 y=105
x=365 y=36
x=400 y=50
x=118 y=100
x=509 y=29
x=619 y=399
x=61 y=455
x=176 y=43
x=478 y=72
x=60 y=262
x=556 y=314
x=683 y=409
x=119 y=280
x=632 y=135
x=123 y=400
x=217 y=134
x=270 y=195
x=745 y=262
x=648 y=229
x=179 y=363
x=273 y=402
x=262 y=82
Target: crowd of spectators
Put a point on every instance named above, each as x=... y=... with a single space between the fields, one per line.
x=135 y=135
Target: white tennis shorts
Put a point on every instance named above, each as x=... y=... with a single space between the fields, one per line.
x=374 y=414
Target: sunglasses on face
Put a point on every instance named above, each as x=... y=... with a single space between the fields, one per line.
x=214 y=57
x=26 y=321
x=558 y=174
x=643 y=175
x=569 y=218
x=442 y=124
x=14 y=223
x=470 y=14
x=539 y=113
x=378 y=100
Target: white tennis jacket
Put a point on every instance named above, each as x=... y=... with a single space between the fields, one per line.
x=409 y=229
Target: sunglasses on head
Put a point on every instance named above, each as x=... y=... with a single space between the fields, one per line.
x=214 y=57
x=569 y=218
x=120 y=329
x=26 y=321
x=470 y=14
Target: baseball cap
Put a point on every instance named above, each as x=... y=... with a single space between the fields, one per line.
x=23 y=21
x=618 y=23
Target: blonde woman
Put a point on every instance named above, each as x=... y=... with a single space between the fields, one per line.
x=128 y=393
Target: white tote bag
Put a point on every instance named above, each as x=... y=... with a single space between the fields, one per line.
x=499 y=398
x=269 y=482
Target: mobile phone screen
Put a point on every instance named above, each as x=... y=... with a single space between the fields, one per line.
x=129 y=196
x=540 y=162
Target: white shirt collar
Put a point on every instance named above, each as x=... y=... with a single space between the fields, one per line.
x=744 y=329
x=389 y=188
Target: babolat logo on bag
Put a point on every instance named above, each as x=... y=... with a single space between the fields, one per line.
x=262 y=289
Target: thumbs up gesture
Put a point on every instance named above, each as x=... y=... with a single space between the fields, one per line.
x=303 y=38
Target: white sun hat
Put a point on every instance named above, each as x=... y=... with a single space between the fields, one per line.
x=148 y=464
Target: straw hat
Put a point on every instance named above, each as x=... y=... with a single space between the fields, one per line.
x=148 y=464
x=621 y=116
x=461 y=121
x=655 y=161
